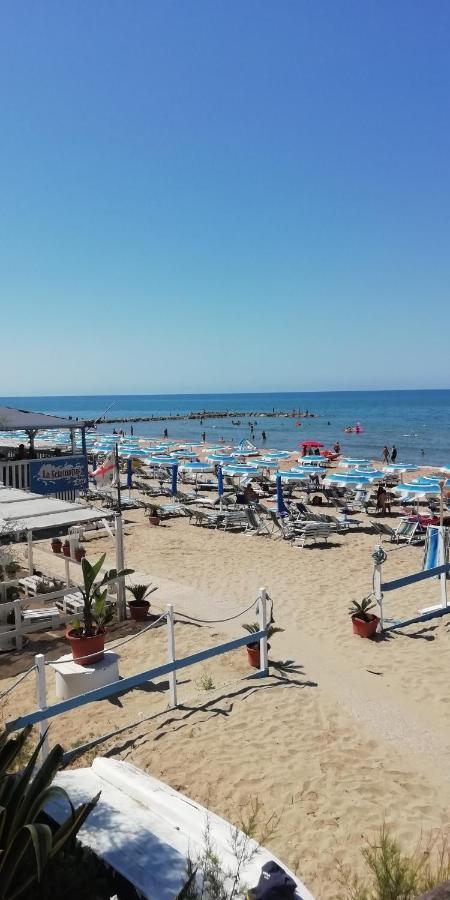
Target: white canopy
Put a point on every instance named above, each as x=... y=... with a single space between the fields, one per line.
x=21 y=419
x=24 y=511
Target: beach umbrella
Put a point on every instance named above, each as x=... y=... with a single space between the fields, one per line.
x=220 y=458
x=276 y=454
x=196 y=467
x=129 y=473
x=281 y=506
x=173 y=487
x=307 y=471
x=240 y=470
x=219 y=481
x=161 y=461
x=400 y=467
x=417 y=489
x=349 y=463
x=344 y=480
x=290 y=475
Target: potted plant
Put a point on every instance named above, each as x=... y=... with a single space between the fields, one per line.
x=80 y=553
x=56 y=545
x=154 y=517
x=139 y=606
x=87 y=636
x=11 y=568
x=66 y=548
x=253 y=652
x=364 y=622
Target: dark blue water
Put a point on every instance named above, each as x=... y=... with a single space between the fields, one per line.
x=413 y=420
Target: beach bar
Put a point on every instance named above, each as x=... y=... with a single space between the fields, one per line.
x=55 y=468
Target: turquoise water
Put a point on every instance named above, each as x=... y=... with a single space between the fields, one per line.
x=413 y=420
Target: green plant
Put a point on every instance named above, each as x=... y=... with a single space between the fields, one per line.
x=96 y=612
x=27 y=844
x=395 y=875
x=140 y=592
x=205 y=681
x=254 y=627
x=361 y=610
x=154 y=510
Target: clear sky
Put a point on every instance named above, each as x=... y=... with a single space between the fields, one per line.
x=223 y=196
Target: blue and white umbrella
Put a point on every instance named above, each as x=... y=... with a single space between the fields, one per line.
x=281 y=506
x=347 y=480
x=161 y=461
x=129 y=473
x=240 y=470
x=307 y=471
x=221 y=458
x=276 y=454
x=417 y=490
x=290 y=475
x=400 y=467
x=196 y=467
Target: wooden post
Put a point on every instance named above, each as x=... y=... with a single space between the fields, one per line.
x=30 y=551
x=263 y=661
x=171 y=655
x=377 y=587
x=72 y=441
x=18 y=623
x=41 y=700
x=67 y=567
x=121 y=604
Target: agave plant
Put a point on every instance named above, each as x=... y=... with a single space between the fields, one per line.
x=140 y=592
x=27 y=845
x=361 y=610
x=96 y=612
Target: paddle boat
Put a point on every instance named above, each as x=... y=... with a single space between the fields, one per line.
x=148 y=832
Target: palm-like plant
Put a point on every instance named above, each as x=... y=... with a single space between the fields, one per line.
x=140 y=592
x=27 y=845
x=254 y=627
x=96 y=612
x=362 y=610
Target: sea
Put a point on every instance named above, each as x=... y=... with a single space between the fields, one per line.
x=417 y=422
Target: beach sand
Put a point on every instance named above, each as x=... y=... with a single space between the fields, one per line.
x=344 y=734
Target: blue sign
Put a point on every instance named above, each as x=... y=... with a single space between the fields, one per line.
x=53 y=476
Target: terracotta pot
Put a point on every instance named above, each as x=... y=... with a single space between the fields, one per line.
x=83 y=647
x=80 y=553
x=253 y=655
x=365 y=629
x=154 y=520
x=138 y=609
x=66 y=549
x=56 y=545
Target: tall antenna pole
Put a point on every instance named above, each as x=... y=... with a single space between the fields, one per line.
x=119 y=501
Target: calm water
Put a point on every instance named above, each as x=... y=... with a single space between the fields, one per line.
x=413 y=420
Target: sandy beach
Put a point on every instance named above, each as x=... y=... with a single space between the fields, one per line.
x=344 y=733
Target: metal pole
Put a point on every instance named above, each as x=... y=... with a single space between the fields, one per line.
x=121 y=604
x=30 y=551
x=18 y=623
x=263 y=661
x=41 y=701
x=119 y=500
x=377 y=587
x=441 y=539
x=171 y=655
x=83 y=441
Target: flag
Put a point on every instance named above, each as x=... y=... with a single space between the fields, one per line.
x=104 y=475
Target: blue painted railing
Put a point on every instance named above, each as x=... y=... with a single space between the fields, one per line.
x=133 y=681
x=418 y=576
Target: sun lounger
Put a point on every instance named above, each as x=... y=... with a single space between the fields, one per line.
x=410 y=532
x=316 y=531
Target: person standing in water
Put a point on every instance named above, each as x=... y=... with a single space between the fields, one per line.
x=393 y=453
x=263 y=435
x=385 y=454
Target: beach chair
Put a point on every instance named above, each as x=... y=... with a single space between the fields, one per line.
x=206 y=519
x=315 y=531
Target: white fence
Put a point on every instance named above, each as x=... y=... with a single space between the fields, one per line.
x=43 y=713
x=15 y=474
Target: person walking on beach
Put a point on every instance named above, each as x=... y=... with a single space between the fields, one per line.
x=131 y=431
x=204 y=437
x=385 y=454
x=165 y=432
x=393 y=453
x=263 y=435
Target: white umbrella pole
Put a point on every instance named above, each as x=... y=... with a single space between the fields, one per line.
x=121 y=605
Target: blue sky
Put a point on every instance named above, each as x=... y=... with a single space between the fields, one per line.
x=211 y=196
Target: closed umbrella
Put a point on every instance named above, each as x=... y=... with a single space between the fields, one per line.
x=173 y=487
x=129 y=473
x=219 y=481
x=281 y=506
